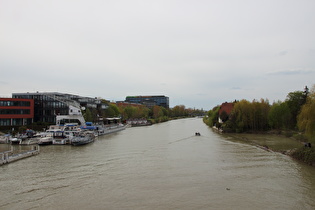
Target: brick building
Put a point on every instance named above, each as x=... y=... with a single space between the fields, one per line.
x=16 y=111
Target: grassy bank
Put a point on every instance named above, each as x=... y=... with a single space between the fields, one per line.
x=277 y=143
x=305 y=154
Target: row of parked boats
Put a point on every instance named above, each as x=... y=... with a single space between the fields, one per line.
x=71 y=133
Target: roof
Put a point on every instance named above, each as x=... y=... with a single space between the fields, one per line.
x=227 y=107
x=153 y=96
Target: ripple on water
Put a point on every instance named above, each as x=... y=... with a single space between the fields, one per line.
x=158 y=167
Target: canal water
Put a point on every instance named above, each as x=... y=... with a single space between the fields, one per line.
x=163 y=166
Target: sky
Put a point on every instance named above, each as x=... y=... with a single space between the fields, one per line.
x=199 y=53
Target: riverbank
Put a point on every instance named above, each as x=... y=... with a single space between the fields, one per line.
x=306 y=155
x=276 y=143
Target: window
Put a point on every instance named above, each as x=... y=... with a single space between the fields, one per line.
x=14 y=111
x=4 y=122
x=15 y=103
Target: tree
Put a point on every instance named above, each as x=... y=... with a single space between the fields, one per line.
x=259 y=114
x=179 y=111
x=279 y=115
x=129 y=112
x=112 y=111
x=263 y=114
x=295 y=100
x=224 y=116
x=250 y=115
x=157 y=112
x=165 y=111
x=240 y=115
x=306 y=118
x=142 y=112
x=88 y=115
x=213 y=116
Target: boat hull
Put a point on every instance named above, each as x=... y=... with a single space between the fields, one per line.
x=81 y=142
x=113 y=129
x=83 y=138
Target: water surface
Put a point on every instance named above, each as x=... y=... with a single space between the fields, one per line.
x=163 y=166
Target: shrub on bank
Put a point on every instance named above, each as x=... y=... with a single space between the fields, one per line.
x=300 y=137
x=305 y=154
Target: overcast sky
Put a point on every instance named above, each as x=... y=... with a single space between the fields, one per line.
x=199 y=53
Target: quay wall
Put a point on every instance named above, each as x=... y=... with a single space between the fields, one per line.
x=7 y=156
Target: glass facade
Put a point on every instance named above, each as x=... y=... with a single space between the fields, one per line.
x=5 y=122
x=15 y=121
x=48 y=105
x=15 y=103
x=14 y=111
x=45 y=107
x=159 y=100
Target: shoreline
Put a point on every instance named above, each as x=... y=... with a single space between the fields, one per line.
x=268 y=141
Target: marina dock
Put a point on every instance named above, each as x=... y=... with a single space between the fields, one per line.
x=9 y=157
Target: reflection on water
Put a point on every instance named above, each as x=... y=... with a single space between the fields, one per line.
x=164 y=166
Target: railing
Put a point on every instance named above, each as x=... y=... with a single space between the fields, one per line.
x=9 y=156
x=64 y=100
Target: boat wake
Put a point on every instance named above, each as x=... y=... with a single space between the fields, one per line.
x=183 y=139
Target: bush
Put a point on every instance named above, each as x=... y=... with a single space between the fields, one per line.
x=305 y=154
x=300 y=137
x=288 y=134
x=22 y=129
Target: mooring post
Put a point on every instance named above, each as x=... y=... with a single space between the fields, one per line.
x=36 y=148
x=6 y=158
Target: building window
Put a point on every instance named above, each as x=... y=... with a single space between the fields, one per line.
x=15 y=103
x=14 y=111
x=5 y=122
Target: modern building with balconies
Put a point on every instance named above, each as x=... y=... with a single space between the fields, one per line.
x=47 y=105
x=149 y=101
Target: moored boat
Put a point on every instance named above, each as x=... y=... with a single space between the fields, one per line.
x=138 y=122
x=15 y=140
x=59 y=137
x=112 y=125
x=45 y=140
x=4 y=139
x=114 y=128
x=82 y=138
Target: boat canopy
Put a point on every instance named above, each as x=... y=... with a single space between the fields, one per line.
x=89 y=127
x=70 y=124
x=113 y=118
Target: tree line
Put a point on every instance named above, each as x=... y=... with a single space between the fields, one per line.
x=295 y=113
x=155 y=114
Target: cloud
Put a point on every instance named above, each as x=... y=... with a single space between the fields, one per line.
x=291 y=72
x=236 y=88
x=196 y=52
x=283 y=53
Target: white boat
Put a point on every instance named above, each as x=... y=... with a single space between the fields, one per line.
x=82 y=138
x=100 y=129
x=62 y=134
x=60 y=138
x=29 y=141
x=138 y=122
x=4 y=139
x=46 y=140
x=15 y=140
x=114 y=128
